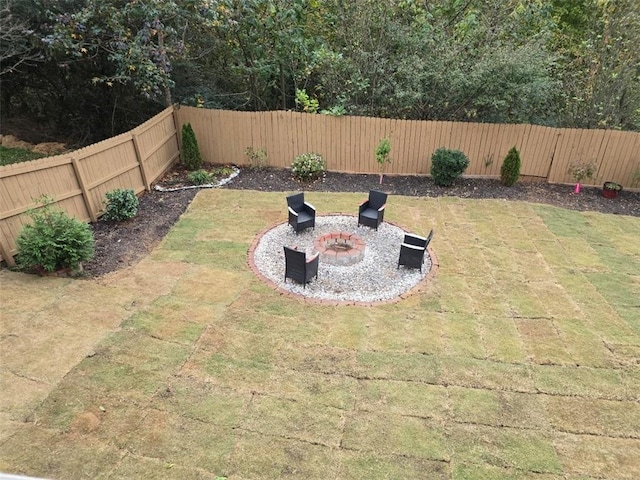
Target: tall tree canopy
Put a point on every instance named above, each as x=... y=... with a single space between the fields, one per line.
x=87 y=69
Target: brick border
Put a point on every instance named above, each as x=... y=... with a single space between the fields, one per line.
x=321 y=301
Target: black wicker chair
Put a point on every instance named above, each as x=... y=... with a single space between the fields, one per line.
x=298 y=267
x=413 y=249
x=371 y=211
x=301 y=214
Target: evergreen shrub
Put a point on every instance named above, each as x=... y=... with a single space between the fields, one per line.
x=54 y=241
x=121 y=204
x=510 y=170
x=190 y=150
x=447 y=165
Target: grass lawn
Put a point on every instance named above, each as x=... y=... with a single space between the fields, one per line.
x=519 y=360
x=9 y=156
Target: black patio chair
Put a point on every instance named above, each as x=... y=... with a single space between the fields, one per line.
x=412 y=250
x=298 y=267
x=371 y=211
x=301 y=214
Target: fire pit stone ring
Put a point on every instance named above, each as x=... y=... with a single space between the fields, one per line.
x=340 y=248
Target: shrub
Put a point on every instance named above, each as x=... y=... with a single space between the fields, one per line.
x=54 y=240
x=122 y=204
x=308 y=166
x=447 y=165
x=201 y=177
x=510 y=170
x=190 y=150
x=257 y=158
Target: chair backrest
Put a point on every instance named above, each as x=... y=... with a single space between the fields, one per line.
x=416 y=240
x=296 y=202
x=377 y=199
x=294 y=259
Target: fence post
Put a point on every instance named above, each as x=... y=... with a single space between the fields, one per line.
x=83 y=188
x=176 y=125
x=5 y=252
x=143 y=171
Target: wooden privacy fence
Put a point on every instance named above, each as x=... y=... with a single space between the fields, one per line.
x=348 y=144
x=79 y=180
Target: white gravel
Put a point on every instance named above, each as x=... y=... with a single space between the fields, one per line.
x=375 y=278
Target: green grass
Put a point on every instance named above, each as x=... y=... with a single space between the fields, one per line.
x=519 y=360
x=9 y=156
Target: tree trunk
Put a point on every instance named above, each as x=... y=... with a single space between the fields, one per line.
x=283 y=93
x=167 y=92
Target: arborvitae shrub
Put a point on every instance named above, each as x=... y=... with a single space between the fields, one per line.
x=510 y=170
x=447 y=165
x=190 y=150
x=122 y=204
x=54 y=240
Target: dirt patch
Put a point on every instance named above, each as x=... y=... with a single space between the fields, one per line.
x=46 y=148
x=123 y=244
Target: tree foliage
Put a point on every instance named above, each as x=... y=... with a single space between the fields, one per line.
x=104 y=65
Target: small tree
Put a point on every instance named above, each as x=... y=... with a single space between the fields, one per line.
x=510 y=170
x=382 y=155
x=190 y=150
x=581 y=171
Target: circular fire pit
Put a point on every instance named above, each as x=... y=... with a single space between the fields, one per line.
x=340 y=248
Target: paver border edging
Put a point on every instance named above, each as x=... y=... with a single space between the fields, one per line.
x=321 y=301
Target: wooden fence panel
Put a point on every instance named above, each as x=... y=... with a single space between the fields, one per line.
x=78 y=181
x=158 y=144
x=536 y=151
x=348 y=143
x=620 y=160
x=24 y=183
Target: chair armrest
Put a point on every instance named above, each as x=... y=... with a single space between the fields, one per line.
x=364 y=202
x=313 y=257
x=382 y=207
x=293 y=212
x=310 y=206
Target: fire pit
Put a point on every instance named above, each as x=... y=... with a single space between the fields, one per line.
x=340 y=248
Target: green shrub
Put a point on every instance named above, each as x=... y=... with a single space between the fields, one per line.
x=447 y=165
x=201 y=177
x=122 y=204
x=308 y=166
x=190 y=150
x=510 y=170
x=223 y=171
x=54 y=240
